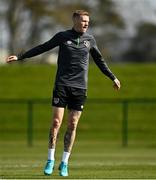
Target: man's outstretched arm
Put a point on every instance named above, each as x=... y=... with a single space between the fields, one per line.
x=97 y=57
x=52 y=43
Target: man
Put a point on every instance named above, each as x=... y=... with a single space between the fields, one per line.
x=71 y=81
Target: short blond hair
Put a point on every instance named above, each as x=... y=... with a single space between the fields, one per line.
x=78 y=13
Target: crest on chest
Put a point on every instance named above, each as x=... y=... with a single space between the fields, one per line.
x=87 y=44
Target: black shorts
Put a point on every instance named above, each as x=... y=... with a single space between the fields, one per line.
x=73 y=98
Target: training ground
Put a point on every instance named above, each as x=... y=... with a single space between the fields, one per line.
x=98 y=152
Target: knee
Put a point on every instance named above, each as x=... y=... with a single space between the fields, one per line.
x=72 y=125
x=56 y=123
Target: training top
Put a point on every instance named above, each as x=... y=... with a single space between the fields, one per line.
x=73 y=57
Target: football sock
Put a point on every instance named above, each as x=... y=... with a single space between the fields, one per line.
x=51 y=153
x=65 y=157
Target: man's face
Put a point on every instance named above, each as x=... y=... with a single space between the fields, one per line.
x=81 y=23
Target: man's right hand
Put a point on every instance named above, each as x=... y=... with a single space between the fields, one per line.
x=11 y=58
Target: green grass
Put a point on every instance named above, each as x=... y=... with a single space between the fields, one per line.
x=36 y=81
x=90 y=160
x=98 y=152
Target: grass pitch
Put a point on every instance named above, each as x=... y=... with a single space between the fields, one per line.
x=97 y=153
x=90 y=160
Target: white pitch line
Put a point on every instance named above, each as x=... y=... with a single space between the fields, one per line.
x=84 y=164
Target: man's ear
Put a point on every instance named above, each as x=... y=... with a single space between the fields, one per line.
x=74 y=20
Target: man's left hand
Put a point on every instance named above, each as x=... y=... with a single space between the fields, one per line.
x=117 y=84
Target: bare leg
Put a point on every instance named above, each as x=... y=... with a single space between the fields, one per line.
x=70 y=134
x=56 y=123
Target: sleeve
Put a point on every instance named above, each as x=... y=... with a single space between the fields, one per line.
x=52 y=43
x=99 y=60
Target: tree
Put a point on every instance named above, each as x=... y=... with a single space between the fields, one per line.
x=105 y=14
x=143 y=45
x=28 y=20
x=22 y=18
x=106 y=22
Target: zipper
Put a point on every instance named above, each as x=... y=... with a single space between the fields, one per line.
x=78 y=41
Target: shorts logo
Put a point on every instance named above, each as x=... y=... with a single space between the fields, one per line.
x=87 y=44
x=56 y=100
x=69 y=42
x=81 y=106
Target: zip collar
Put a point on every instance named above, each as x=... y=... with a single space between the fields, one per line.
x=77 y=33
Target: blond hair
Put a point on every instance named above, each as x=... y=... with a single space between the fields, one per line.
x=78 y=13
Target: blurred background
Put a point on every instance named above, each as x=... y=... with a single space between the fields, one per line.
x=117 y=127
x=125 y=29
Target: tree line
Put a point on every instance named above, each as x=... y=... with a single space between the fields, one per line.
x=30 y=22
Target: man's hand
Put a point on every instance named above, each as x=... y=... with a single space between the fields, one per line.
x=116 y=84
x=11 y=58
